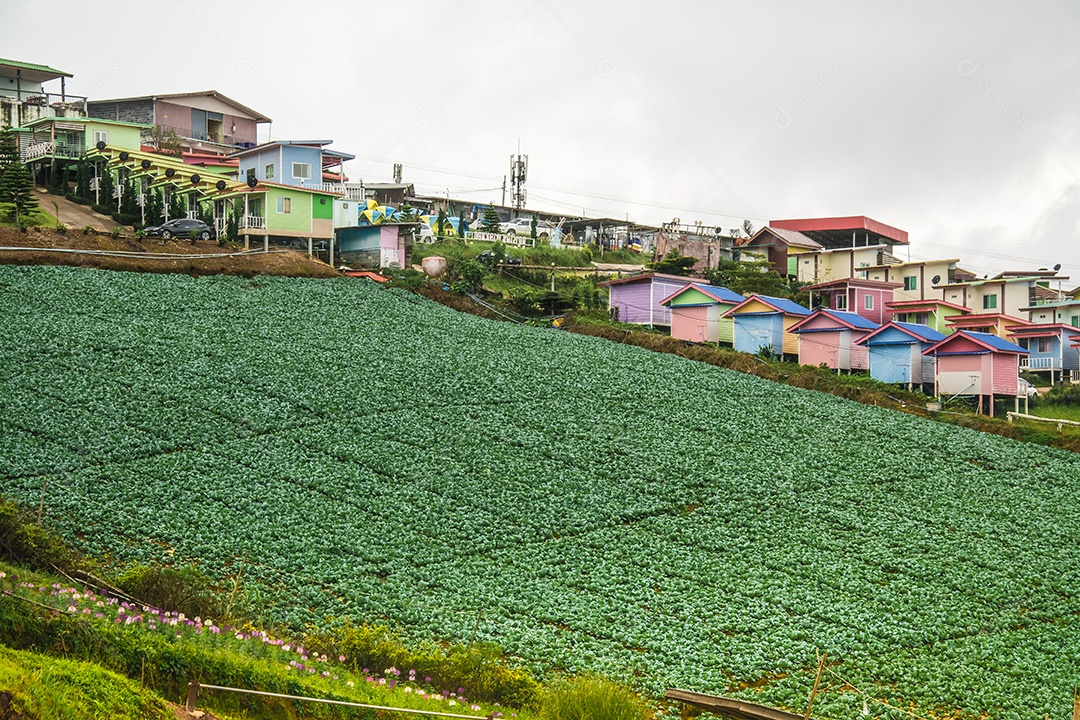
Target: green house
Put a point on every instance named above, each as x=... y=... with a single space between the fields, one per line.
x=49 y=140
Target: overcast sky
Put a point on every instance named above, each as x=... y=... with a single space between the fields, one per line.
x=958 y=122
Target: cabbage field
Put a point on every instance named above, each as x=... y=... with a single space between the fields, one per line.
x=364 y=452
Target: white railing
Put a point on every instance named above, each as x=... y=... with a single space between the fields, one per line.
x=193 y=215
x=221 y=224
x=1040 y=363
x=336 y=188
x=252 y=221
x=354 y=191
x=40 y=149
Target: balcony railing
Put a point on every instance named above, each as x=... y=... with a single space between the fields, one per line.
x=49 y=149
x=336 y=188
x=1040 y=363
x=253 y=221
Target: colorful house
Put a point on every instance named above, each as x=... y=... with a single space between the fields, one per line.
x=919 y=279
x=697 y=313
x=270 y=212
x=1008 y=293
x=1065 y=311
x=50 y=141
x=830 y=338
x=896 y=353
x=1052 y=349
x=763 y=322
x=977 y=364
x=24 y=98
x=381 y=246
x=993 y=323
x=205 y=121
x=868 y=298
x=932 y=313
x=781 y=248
x=637 y=299
x=307 y=164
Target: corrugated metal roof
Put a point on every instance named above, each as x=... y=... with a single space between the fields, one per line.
x=18 y=65
x=925 y=332
x=987 y=340
x=853 y=319
x=784 y=305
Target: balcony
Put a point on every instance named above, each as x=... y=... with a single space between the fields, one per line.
x=48 y=149
x=1040 y=363
x=253 y=222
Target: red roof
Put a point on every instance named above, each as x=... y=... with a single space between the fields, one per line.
x=1045 y=330
x=646 y=276
x=983 y=319
x=845 y=224
x=913 y=305
x=856 y=282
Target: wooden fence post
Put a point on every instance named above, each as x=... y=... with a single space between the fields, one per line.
x=817 y=680
x=192 y=695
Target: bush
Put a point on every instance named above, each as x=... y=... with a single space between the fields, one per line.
x=591 y=698
x=37 y=547
x=184 y=589
x=482 y=668
x=1062 y=395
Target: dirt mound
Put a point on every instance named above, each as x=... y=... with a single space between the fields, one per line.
x=151 y=255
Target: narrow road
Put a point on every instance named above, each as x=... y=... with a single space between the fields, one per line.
x=74 y=215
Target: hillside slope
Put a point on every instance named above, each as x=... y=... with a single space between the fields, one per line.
x=586 y=505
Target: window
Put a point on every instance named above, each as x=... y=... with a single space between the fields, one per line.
x=101 y=136
x=301 y=171
x=270 y=172
x=868 y=302
x=911 y=282
x=250 y=173
x=1044 y=345
x=840 y=303
x=1075 y=321
x=284 y=205
x=989 y=302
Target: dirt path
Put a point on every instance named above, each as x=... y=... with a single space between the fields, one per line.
x=74 y=215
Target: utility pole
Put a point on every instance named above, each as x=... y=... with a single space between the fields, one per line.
x=503 y=203
x=518 y=170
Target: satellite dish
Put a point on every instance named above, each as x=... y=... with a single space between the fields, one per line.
x=145 y=164
x=935 y=280
x=169 y=172
x=220 y=184
x=1057 y=267
x=195 y=179
x=252 y=181
x=101 y=145
x=124 y=156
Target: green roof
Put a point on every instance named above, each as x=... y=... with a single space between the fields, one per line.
x=85 y=120
x=31 y=66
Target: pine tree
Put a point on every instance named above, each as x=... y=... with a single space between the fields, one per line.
x=461 y=224
x=82 y=181
x=440 y=223
x=490 y=221
x=154 y=206
x=176 y=206
x=106 y=187
x=17 y=192
x=9 y=151
x=129 y=206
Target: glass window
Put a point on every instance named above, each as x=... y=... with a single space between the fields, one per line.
x=911 y=282
x=269 y=172
x=284 y=205
x=1044 y=345
x=990 y=302
x=101 y=136
x=840 y=303
x=868 y=302
x=301 y=171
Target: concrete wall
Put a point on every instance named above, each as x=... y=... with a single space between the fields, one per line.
x=134 y=111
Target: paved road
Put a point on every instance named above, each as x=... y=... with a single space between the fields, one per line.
x=72 y=214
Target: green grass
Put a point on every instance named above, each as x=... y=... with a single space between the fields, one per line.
x=54 y=689
x=38 y=217
x=1060 y=412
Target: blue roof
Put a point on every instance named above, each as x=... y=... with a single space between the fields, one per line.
x=994 y=341
x=784 y=305
x=852 y=319
x=719 y=292
x=926 y=332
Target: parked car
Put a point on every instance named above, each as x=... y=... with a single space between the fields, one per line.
x=488 y=257
x=523 y=226
x=1027 y=388
x=181 y=228
x=425 y=234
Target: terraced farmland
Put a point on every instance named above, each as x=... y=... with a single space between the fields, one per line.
x=583 y=504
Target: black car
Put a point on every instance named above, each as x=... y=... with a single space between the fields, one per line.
x=488 y=257
x=181 y=228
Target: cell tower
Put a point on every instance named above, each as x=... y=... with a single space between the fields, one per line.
x=519 y=167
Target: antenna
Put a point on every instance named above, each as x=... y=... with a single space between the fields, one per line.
x=518 y=170
x=397 y=173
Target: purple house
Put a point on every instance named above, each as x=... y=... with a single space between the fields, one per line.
x=637 y=299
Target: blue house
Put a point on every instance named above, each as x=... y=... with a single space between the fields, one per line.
x=762 y=321
x=1052 y=349
x=896 y=353
x=307 y=164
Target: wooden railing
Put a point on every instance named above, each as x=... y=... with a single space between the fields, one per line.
x=1040 y=363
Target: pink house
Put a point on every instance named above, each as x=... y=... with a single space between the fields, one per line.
x=869 y=298
x=977 y=364
x=830 y=337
